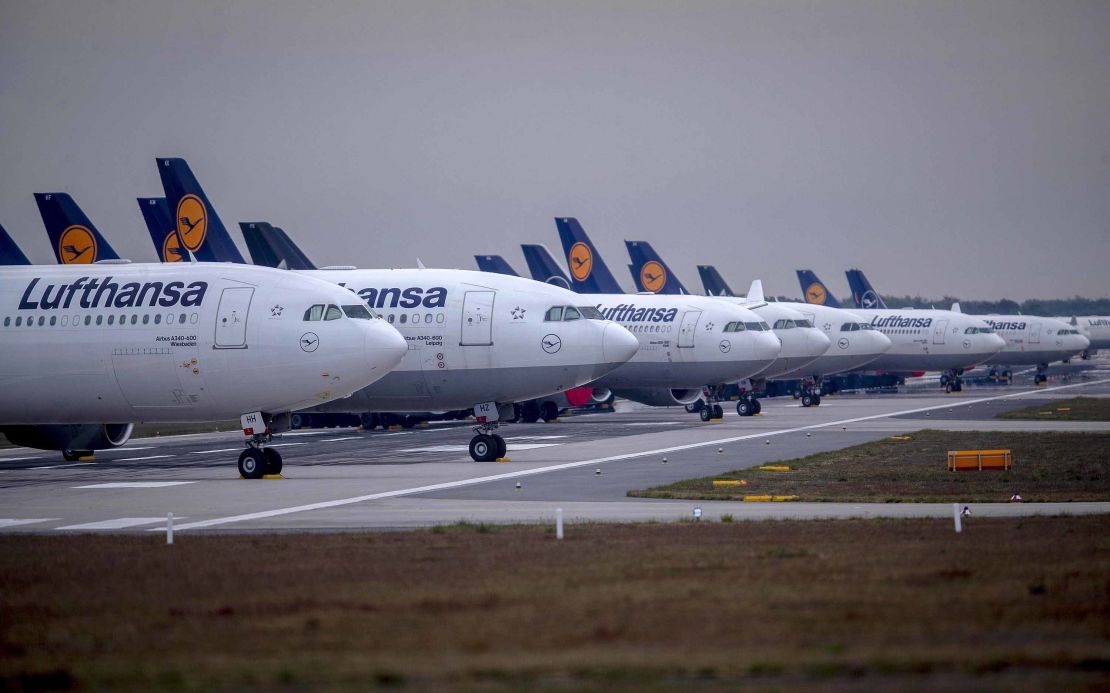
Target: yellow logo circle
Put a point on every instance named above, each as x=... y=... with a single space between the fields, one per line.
x=815 y=293
x=653 y=276
x=192 y=222
x=171 y=248
x=580 y=261
x=77 y=246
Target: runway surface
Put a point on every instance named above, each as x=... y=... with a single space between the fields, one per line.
x=344 y=479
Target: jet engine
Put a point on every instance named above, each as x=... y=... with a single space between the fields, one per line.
x=71 y=439
x=660 y=397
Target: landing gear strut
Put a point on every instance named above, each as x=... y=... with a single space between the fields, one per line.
x=257 y=460
x=710 y=409
x=952 y=381
x=748 y=405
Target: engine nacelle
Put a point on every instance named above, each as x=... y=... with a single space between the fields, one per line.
x=600 y=395
x=660 y=397
x=69 y=436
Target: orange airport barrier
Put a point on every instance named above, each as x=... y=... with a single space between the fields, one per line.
x=978 y=460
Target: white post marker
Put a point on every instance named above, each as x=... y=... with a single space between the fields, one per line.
x=558 y=523
x=697 y=514
x=956 y=517
x=169 y=528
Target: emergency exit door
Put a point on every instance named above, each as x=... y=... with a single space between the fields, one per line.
x=231 y=318
x=477 y=318
x=938 y=331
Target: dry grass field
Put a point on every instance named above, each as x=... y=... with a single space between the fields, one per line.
x=1007 y=604
x=1047 y=467
x=1078 y=409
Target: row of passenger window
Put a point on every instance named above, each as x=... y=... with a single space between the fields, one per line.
x=645 y=328
x=111 y=319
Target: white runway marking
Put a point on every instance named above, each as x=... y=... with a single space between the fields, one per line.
x=655 y=423
x=19 y=459
x=135 y=449
x=67 y=465
x=336 y=440
x=205 y=452
x=283 y=445
x=118 y=523
x=137 y=484
x=17 y=523
x=535 y=437
x=324 y=505
x=148 y=457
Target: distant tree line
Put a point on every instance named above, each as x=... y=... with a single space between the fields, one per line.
x=1076 y=305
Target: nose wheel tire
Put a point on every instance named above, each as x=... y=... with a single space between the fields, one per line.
x=502 y=448
x=705 y=414
x=484 y=448
x=807 y=400
x=718 y=412
x=273 y=461
x=252 y=463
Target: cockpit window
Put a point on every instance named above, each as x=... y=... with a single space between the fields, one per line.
x=986 y=330
x=590 y=313
x=571 y=313
x=554 y=314
x=865 y=326
x=333 y=313
x=358 y=312
x=314 y=313
x=803 y=323
x=755 y=326
x=785 y=324
x=735 y=326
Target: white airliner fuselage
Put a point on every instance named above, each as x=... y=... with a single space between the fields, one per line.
x=931 y=340
x=125 y=343
x=1032 y=340
x=854 y=343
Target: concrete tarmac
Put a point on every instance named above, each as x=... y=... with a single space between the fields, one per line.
x=347 y=480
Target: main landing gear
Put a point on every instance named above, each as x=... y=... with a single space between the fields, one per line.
x=748 y=405
x=709 y=406
x=952 y=381
x=1042 y=375
x=811 y=393
x=487 y=446
x=1001 y=376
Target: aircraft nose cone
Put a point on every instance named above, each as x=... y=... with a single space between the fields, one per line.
x=618 y=344
x=384 y=347
x=997 y=343
x=818 y=342
x=767 y=346
x=879 y=341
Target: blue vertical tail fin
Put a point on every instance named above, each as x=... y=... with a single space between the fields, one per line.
x=863 y=294
x=163 y=232
x=714 y=283
x=72 y=236
x=814 y=290
x=588 y=272
x=286 y=249
x=198 y=226
x=10 y=254
x=543 y=266
x=495 y=264
x=260 y=251
x=650 y=272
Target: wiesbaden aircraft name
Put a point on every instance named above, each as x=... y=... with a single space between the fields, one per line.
x=103 y=292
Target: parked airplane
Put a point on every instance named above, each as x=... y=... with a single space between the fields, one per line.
x=10 y=254
x=118 y=342
x=1096 y=328
x=475 y=339
x=802 y=343
x=856 y=343
x=691 y=347
x=73 y=237
x=1031 y=340
x=922 y=340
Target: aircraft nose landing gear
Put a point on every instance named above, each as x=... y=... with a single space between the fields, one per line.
x=952 y=381
x=1042 y=376
x=258 y=461
x=487 y=446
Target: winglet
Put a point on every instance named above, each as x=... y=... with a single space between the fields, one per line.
x=755 y=292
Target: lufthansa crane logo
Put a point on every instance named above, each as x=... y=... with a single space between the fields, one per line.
x=551 y=343
x=869 y=299
x=171 y=248
x=815 y=293
x=192 y=222
x=77 y=246
x=580 y=260
x=309 y=342
x=653 y=276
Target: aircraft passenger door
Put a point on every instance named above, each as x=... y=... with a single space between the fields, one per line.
x=477 y=318
x=231 y=318
x=939 y=329
x=1035 y=333
x=686 y=328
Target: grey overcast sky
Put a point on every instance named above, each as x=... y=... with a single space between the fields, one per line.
x=944 y=147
